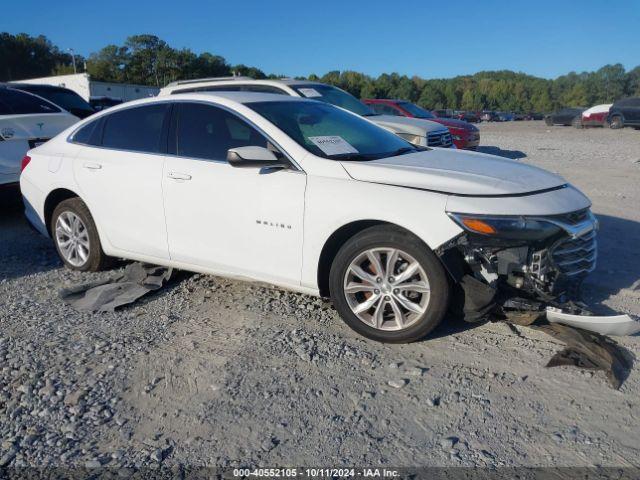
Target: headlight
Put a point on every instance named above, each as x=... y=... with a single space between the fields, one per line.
x=414 y=139
x=509 y=228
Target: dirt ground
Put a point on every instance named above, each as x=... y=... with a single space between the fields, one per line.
x=223 y=373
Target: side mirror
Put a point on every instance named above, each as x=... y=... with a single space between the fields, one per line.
x=253 y=157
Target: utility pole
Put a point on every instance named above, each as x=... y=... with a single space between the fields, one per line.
x=73 y=60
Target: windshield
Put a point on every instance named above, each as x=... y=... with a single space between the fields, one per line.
x=334 y=96
x=416 y=111
x=329 y=132
x=67 y=99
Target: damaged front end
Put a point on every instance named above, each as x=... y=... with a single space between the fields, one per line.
x=520 y=264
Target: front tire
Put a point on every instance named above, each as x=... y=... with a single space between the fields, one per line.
x=76 y=237
x=388 y=286
x=548 y=121
x=616 y=122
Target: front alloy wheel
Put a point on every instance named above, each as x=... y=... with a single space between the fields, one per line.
x=387 y=285
x=386 y=288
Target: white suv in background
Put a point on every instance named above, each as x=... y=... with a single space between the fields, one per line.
x=26 y=121
x=416 y=131
x=311 y=197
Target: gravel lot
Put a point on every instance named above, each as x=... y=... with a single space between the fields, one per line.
x=215 y=372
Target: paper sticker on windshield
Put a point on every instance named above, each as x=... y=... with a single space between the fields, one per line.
x=309 y=92
x=333 y=145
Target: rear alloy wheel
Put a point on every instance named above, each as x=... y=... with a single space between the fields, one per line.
x=616 y=122
x=72 y=238
x=388 y=286
x=76 y=237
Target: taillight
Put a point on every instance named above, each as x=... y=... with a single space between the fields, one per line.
x=25 y=161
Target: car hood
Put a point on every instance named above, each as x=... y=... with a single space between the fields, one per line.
x=412 y=126
x=456 y=172
x=453 y=123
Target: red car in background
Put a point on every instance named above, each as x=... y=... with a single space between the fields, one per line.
x=465 y=135
x=595 y=116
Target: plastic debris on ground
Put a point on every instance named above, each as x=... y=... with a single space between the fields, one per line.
x=134 y=282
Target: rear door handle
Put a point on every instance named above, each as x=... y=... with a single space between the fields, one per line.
x=179 y=176
x=92 y=166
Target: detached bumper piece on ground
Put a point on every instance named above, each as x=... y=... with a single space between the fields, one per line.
x=136 y=280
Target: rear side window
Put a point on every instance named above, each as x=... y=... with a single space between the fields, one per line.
x=21 y=103
x=207 y=132
x=138 y=129
x=384 y=109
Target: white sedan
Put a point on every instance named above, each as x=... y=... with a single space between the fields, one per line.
x=310 y=197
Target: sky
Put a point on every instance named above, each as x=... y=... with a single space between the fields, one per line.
x=428 y=38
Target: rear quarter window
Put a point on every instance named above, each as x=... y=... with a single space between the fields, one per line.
x=87 y=134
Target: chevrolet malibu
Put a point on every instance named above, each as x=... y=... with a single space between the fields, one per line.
x=310 y=197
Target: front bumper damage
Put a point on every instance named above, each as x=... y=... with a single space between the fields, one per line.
x=525 y=280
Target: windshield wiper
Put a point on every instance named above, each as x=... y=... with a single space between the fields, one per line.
x=372 y=114
x=353 y=156
x=403 y=150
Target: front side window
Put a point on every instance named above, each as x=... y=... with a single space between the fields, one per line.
x=138 y=129
x=207 y=132
x=334 y=96
x=22 y=103
x=329 y=132
x=417 y=111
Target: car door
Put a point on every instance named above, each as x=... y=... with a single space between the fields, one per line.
x=237 y=221
x=119 y=173
x=632 y=111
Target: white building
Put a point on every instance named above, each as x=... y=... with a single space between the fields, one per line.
x=88 y=89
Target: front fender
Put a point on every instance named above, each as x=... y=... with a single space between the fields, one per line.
x=331 y=204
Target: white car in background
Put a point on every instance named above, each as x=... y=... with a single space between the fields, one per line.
x=26 y=121
x=415 y=130
x=310 y=197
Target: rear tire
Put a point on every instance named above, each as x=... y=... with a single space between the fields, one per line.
x=577 y=122
x=388 y=286
x=548 y=121
x=616 y=122
x=76 y=237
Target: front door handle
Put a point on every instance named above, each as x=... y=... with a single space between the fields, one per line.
x=92 y=166
x=179 y=176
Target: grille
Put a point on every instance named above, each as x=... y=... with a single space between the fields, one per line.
x=439 y=139
x=573 y=256
x=572 y=218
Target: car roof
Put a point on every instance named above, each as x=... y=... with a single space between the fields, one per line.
x=385 y=100
x=239 y=97
x=39 y=86
x=239 y=80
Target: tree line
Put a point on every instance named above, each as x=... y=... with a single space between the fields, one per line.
x=148 y=60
